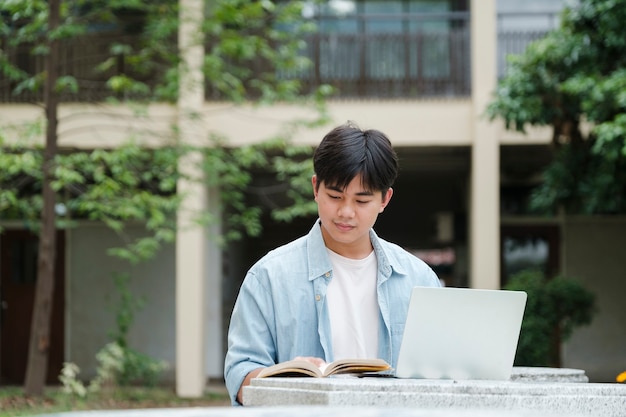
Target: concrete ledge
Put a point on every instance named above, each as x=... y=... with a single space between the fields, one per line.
x=538 y=374
x=302 y=411
x=536 y=396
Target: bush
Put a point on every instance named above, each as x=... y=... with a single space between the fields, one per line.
x=117 y=367
x=140 y=369
x=555 y=307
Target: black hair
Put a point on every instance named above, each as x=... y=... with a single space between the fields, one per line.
x=347 y=151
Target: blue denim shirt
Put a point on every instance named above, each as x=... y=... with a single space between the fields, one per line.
x=281 y=309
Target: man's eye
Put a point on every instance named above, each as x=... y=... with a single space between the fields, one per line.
x=363 y=201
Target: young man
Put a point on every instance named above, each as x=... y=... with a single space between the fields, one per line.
x=340 y=291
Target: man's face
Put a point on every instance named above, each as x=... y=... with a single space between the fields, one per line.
x=347 y=216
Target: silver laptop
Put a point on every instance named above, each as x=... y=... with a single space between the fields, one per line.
x=461 y=333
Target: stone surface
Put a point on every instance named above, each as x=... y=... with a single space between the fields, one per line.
x=536 y=396
x=539 y=374
x=531 y=392
x=306 y=411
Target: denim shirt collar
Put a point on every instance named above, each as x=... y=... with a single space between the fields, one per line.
x=319 y=263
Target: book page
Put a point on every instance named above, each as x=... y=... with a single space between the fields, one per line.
x=295 y=368
x=342 y=366
x=291 y=368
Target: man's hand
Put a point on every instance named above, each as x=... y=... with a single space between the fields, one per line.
x=319 y=362
x=246 y=381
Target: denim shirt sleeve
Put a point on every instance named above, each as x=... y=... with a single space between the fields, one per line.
x=250 y=340
x=280 y=311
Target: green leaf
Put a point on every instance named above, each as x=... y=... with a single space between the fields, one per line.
x=67 y=84
x=575 y=75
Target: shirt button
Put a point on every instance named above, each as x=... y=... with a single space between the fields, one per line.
x=318 y=297
x=327 y=274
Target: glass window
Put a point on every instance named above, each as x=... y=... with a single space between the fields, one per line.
x=334 y=16
x=529 y=247
x=429 y=6
x=357 y=41
x=528 y=252
x=383 y=25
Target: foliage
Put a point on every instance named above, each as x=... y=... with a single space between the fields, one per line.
x=272 y=176
x=125 y=309
x=117 y=367
x=554 y=308
x=575 y=75
x=582 y=182
x=115 y=186
x=252 y=47
x=122 y=364
x=131 y=184
x=140 y=369
x=69 y=379
x=111 y=360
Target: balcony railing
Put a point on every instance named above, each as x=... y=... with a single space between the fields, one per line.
x=517 y=30
x=396 y=65
x=403 y=65
x=79 y=58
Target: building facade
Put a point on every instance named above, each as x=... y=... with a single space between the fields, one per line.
x=421 y=71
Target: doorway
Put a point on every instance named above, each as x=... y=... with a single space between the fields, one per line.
x=18 y=277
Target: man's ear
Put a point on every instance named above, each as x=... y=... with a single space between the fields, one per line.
x=386 y=198
x=314 y=183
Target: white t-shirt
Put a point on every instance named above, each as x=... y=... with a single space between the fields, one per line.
x=353 y=306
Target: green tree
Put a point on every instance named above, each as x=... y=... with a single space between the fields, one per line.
x=250 y=46
x=554 y=308
x=572 y=78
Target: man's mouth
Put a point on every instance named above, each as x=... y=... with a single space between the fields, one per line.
x=344 y=227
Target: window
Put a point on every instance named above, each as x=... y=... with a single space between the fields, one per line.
x=529 y=247
x=391 y=39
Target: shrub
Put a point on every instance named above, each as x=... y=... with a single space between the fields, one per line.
x=117 y=367
x=555 y=307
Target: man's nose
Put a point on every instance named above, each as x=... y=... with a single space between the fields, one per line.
x=346 y=209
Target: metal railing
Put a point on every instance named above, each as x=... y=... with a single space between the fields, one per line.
x=402 y=65
x=516 y=30
x=405 y=65
x=80 y=58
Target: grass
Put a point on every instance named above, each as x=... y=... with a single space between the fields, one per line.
x=13 y=402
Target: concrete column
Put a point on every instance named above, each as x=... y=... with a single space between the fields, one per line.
x=214 y=334
x=191 y=239
x=484 y=228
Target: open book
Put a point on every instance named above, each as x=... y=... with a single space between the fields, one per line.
x=300 y=368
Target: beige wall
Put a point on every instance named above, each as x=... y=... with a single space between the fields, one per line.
x=91 y=126
x=91 y=293
x=408 y=123
x=594 y=252
x=414 y=123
